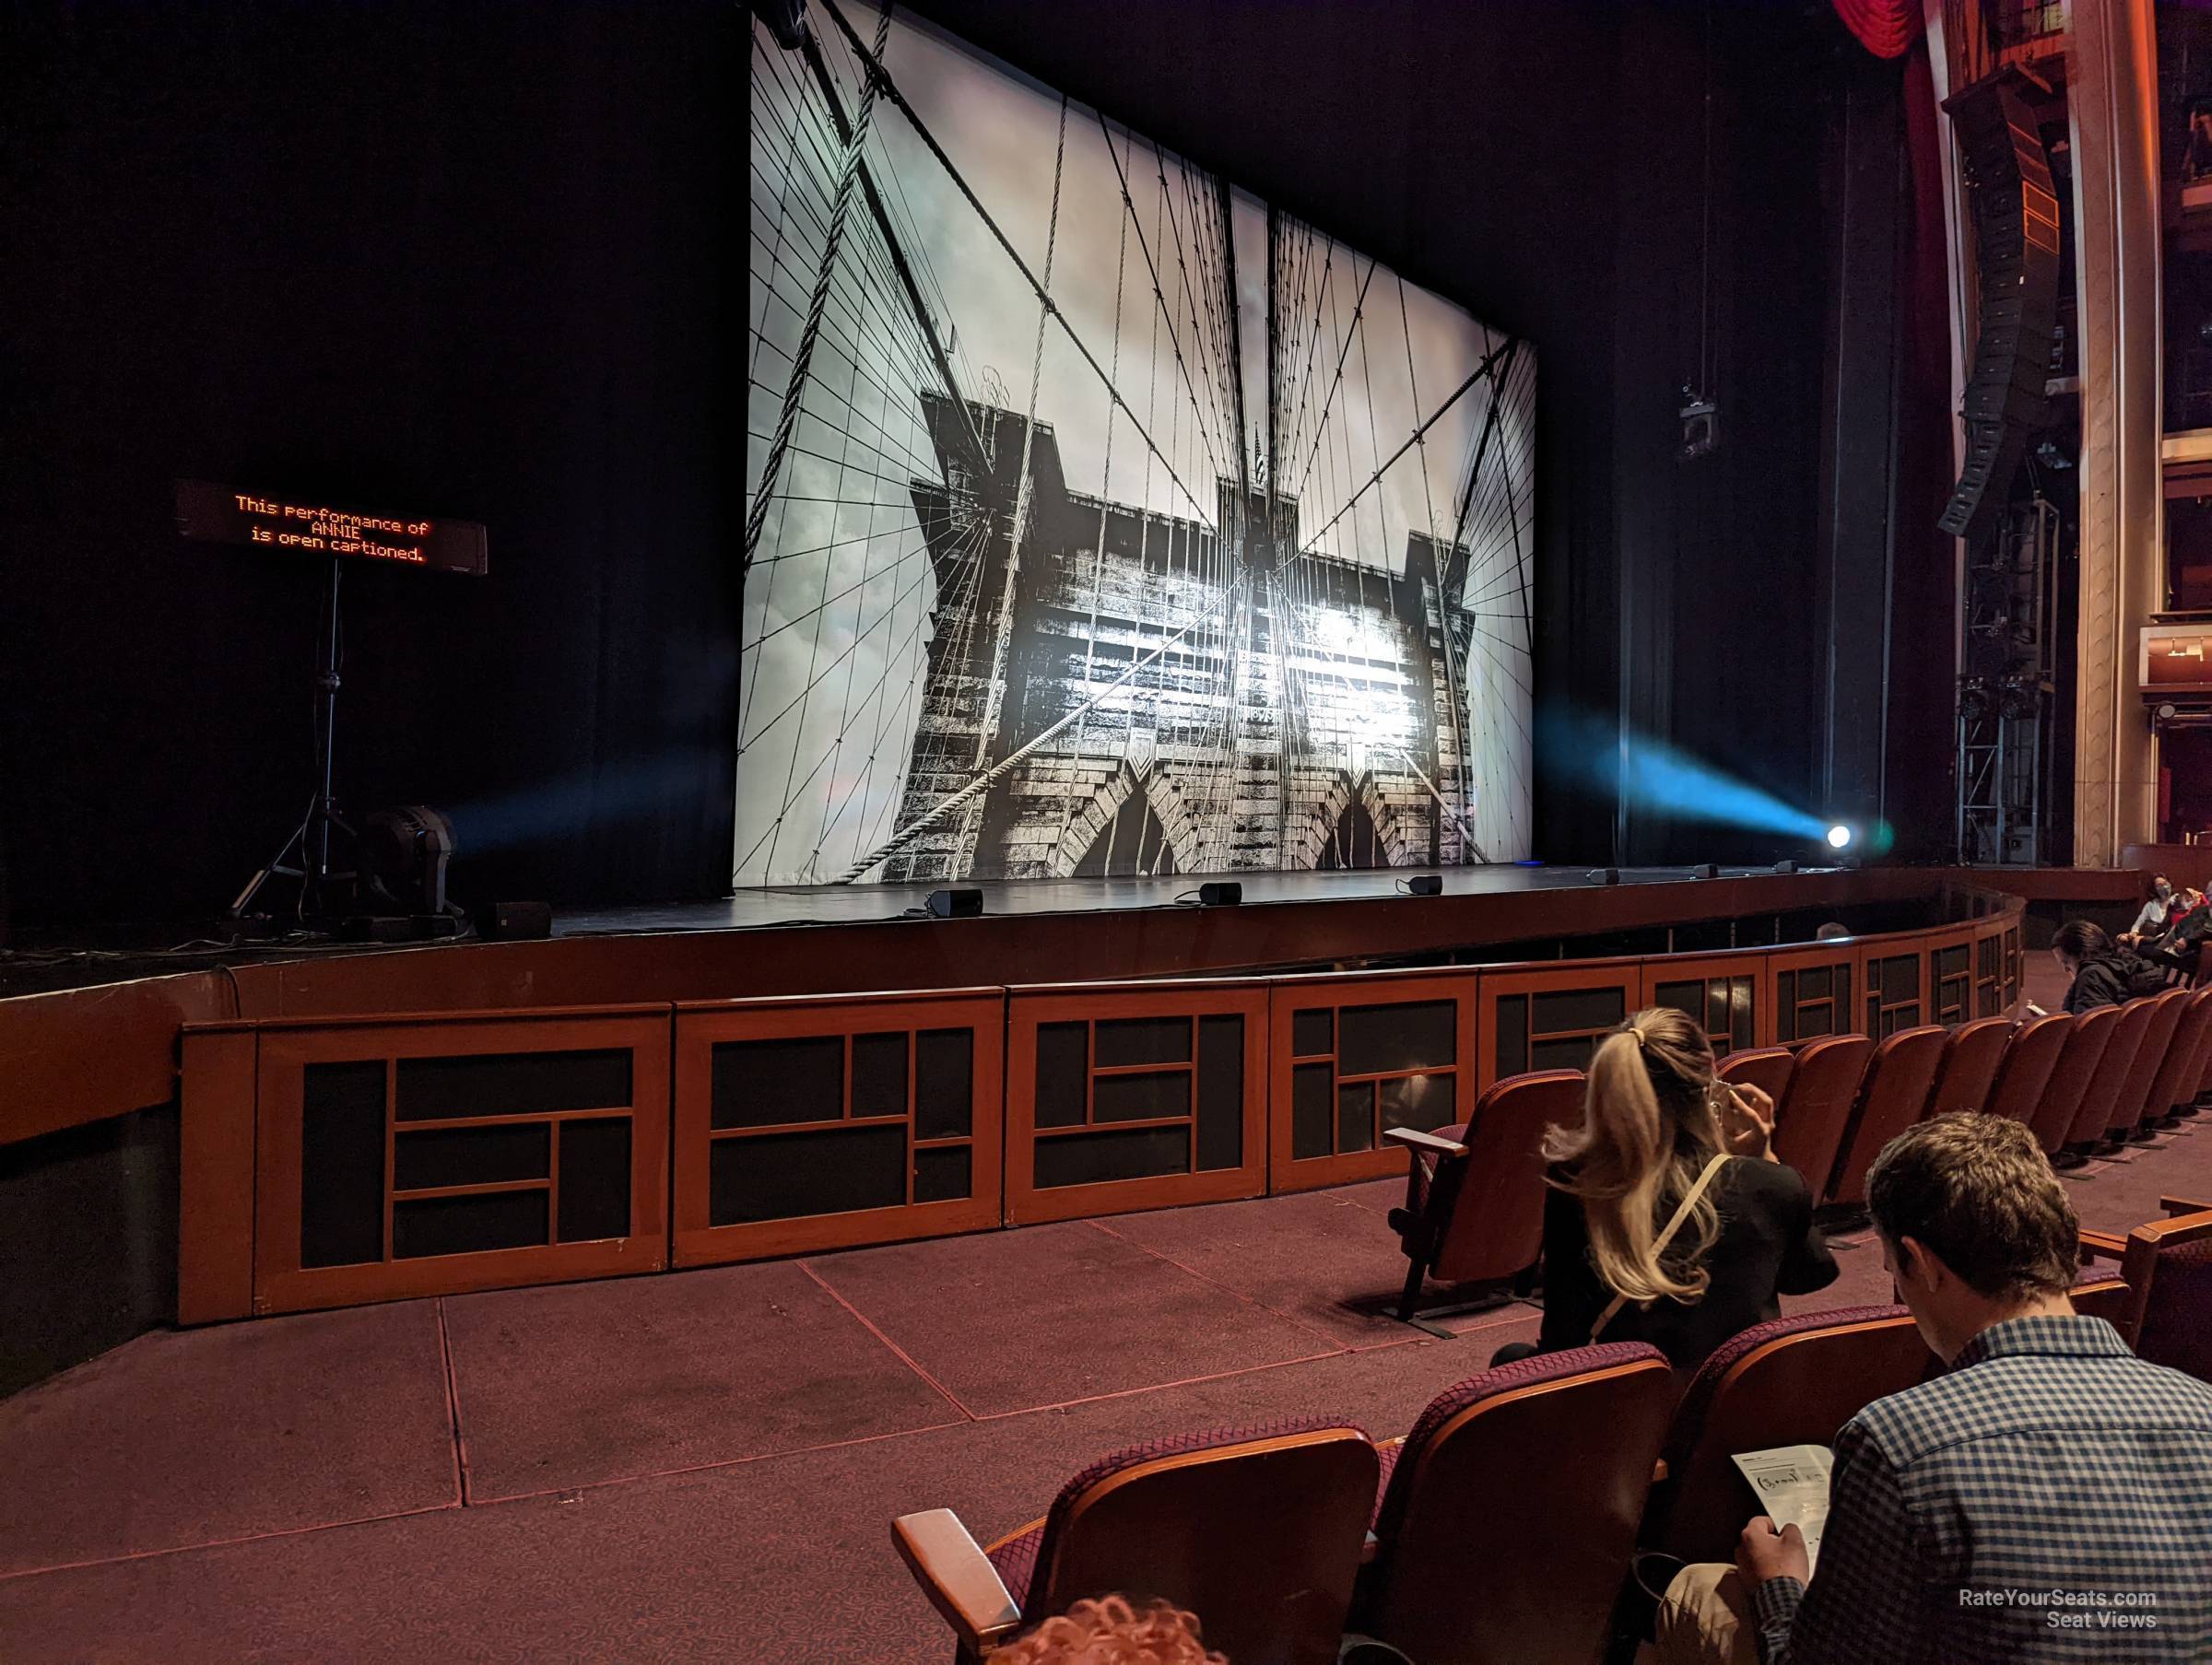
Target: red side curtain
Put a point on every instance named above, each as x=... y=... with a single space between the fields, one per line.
x=1884 y=28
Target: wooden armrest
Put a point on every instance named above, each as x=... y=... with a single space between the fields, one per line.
x=1417 y=1140
x=956 y=1576
x=2102 y=1246
x=2183 y=1205
x=1659 y=1471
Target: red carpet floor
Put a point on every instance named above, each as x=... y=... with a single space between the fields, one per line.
x=702 y=1466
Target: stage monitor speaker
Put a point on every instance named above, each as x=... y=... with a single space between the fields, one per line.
x=1709 y=870
x=1785 y=867
x=1222 y=892
x=515 y=922
x=955 y=903
x=1426 y=884
x=1603 y=876
x=2017 y=249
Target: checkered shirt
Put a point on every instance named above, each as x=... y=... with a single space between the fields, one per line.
x=2048 y=1499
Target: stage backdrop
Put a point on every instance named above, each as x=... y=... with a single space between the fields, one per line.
x=1105 y=520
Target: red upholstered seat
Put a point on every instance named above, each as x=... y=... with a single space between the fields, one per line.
x=2037 y=1046
x=1970 y=1066
x=1895 y=1090
x=1793 y=1381
x=1815 y=1107
x=2072 y=1076
x=2175 y=1083
x=1766 y=1068
x=1510 y=1513
x=2158 y=1035
x=1259 y=1529
x=1475 y=1202
x=2168 y=1267
x=2095 y=1112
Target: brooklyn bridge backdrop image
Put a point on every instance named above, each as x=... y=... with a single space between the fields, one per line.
x=1104 y=519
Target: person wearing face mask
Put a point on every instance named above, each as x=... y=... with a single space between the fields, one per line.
x=2150 y=923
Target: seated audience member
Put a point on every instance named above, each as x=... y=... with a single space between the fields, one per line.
x=2104 y=973
x=1661 y=1134
x=2010 y=1508
x=2178 y=946
x=2150 y=923
x=1832 y=932
x=1111 y=1632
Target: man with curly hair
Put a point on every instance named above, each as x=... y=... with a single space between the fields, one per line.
x=1112 y=1632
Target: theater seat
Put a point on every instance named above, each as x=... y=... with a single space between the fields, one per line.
x=2095 y=1112
x=2034 y=1053
x=1474 y=1196
x=1892 y=1095
x=1970 y=1066
x=1815 y=1107
x=2073 y=1076
x=1259 y=1529
x=2167 y=1269
x=1791 y=1382
x=1509 y=1512
x=2151 y=1058
x=2175 y=1082
x=1766 y=1068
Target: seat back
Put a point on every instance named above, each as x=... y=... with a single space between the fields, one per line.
x=2101 y=1296
x=2037 y=1046
x=1811 y=1114
x=1507 y=1526
x=2167 y=1086
x=2158 y=1035
x=2169 y=1270
x=1259 y=1529
x=1766 y=1068
x=2071 y=1078
x=1970 y=1066
x=1899 y=1077
x=2096 y=1112
x=1496 y=1224
x=2195 y=1080
x=1793 y=1381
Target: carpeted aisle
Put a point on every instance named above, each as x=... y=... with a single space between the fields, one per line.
x=703 y=1466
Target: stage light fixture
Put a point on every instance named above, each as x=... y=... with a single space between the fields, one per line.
x=404 y=854
x=1974 y=698
x=1839 y=836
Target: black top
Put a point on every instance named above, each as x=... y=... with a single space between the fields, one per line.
x=2111 y=979
x=1768 y=1246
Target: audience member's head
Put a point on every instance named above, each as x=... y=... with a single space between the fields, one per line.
x=2161 y=886
x=2080 y=940
x=1111 y=1632
x=1648 y=1128
x=1832 y=932
x=1975 y=1226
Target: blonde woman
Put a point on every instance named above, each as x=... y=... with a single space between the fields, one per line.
x=1669 y=1220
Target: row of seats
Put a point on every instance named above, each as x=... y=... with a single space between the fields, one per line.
x=1474 y=1211
x=1500 y=1529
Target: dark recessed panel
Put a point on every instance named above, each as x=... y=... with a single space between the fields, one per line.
x=1687 y=997
x=944 y=1083
x=511 y=1083
x=1116 y=1153
x=595 y=1180
x=1511 y=1040
x=1063 y=1068
x=1354 y=1117
x=1221 y=1091
x=1312 y=1095
x=820 y=1171
x=761 y=1082
x=1786 y=1005
x=1313 y=1033
x=1740 y=1012
x=456 y=1226
x=878 y=1075
x=1374 y=1040
x=1136 y=1097
x=1572 y=1054
x=1816 y=982
x=342 y=1164
x=471 y=1155
x=1577 y=1009
x=1125 y=1041
x=943 y=1174
x=1419 y=1101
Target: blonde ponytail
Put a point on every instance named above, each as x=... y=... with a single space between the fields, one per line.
x=1648 y=1131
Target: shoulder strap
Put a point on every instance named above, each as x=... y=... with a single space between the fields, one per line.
x=1667 y=1236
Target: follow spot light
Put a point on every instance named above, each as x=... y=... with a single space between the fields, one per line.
x=1838 y=836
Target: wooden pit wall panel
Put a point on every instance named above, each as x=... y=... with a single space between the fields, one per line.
x=1734 y=988
x=1796 y=1013
x=1112 y=1019
x=1550 y=1018
x=282 y=1282
x=1361 y=1154
x=696 y=1240
x=215 y=1170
